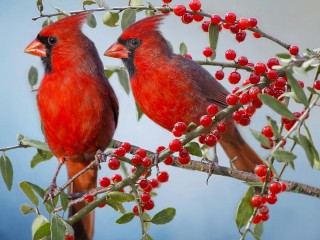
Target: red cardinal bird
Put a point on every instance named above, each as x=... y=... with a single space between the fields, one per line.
x=77 y=105
x=170 y=88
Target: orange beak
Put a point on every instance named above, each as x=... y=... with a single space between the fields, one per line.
x=117 y=50
x=36 y=48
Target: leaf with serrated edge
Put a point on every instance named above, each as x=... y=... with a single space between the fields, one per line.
x=194 y=149
x=276 y=106
x=128 y=18
x=260 y=137
x=297 y=89
x=6 y=171
x=164 y=216
x=245 y=209
x=26 y=209
x=42 y=231
x=183 y=49
x=120 y=196
x=125 y=218
x=284 y=156
x=29 y=193
x=58 y=228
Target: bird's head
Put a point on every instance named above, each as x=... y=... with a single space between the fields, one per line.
x=141 y=43
x=58 y=40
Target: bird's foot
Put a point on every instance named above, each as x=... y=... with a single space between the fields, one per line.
x=213 y=165
x=100 y=157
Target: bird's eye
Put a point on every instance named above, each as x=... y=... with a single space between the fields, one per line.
x=135 y=42
x=52 y=40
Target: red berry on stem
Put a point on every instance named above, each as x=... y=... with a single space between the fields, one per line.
x=184 y=153
x=244 y=98
x=180 y=127
x=145 y=197
x=234 y=77
x=195 y=5
x=102 y=205
x=198 y=18
x=175 y=145
x=256 y=201
x=254 y=92
x=272 y=198
x=242 y=61
x=215 y=19
x=245 y=120
x=234 y=28
x=126 y=146
x=136 y=159
x=241 y=36
x=243 y=23
x=176 y=133
x=205 y=120
x=135 y=210
x=184 y=161
x=88 y=198
x=232 y=99
x=141 y=152
x=275 y=187
x=230 y=54
x=252 y=22
x=168 y=160
x=250 y=110
x=257 y=35
x=114 y=163
x=256 y=219
x=207 y=52
x=163 y=176
x=272 y=74
x=293 y=50
x=160 y=149
x=219 y=75
x=212 y=109
x=187 y=18
x=144 y=183
x=120 y=152
x=104 y=182
x=267 y=131
x=263 y=209
x=188 y=56
x=260 y=68
x=272 y=62
x=146 y=162
x=154 y=182
x=205 y=26
x=254 y=78
x=211 y=140
x=179 y=10
x=149 y=205
x=230 y=17
x=283 y=186
x=167 y=1
x=316 y=84
x=116 y=178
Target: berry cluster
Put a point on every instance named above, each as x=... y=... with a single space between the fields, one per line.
x=259 y=201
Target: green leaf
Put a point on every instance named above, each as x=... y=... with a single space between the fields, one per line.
x=33 y=76
x=46 y=22
x=312 y=90
x=314 y=150
x=26 y=209
x=183 y=49
x=307 y=147
x=120 y=196
x=276 y=106
x=245 y=209
x=146 y=236
x=128 y=18
x=260 y=137
x=69 y=229
x=164 y=216
x=39 y=5
x=274 y=127
x=213 y=38
x=284 y=156
x=194 y=149
x=64 y=200
x=29 y=193
x=124 y=80
x=283 y=55
x=116 y=205
x=110 y=19
x=150 y=13
x=37 y=223
x=147 y=220
x=139 y=111
x=88 y=2
x=36 y=189
x=258 y=231
x=33 y=143
x=134 y=3
x=6 y=171
x=42 y=231
x=125 y=218
x=297 y=89
x=40 y=156
x=91 y=21
x=58 y=228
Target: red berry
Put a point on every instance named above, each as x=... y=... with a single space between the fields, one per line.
x=163 y=176
x=146 y=162
x=187 y=18
x=254 y=78
x=293 y=50
x=154 y=182
x=264 y=217
x=175 y=145
x=211 y=140
x=237 y=116
x=257 y=35
x=207 y=52
x=215 y=19
x=167 y=1
x=176 y=133
x=241 y=36
x=283 y=186
x=250 y=110
x=267 y=131
x=126 y=146
x=272 y=62
x=135 y=210
x=280 y=82
x=256 y=201
x=254 y=92
x=212 y=109
x=198 y=18
x=272 y=198
x=195 y=5
x=205 y=26
x=69 y=237
x=272 y=74
x=232 y=99
x=264 y=209
x=275 y=187
x=234 y=77
x=256 y=219
x=230 y=17
x=301 y=83
x=188 y=56
x=268 y=90
x=166 y=9
x=226 y=25
x=184 y=161
x=234 y=28
x=244 y=98
x=179 y=10
x=88 y=198
x=243 y=23
x=245 y=120
x=260 y=68
x=316 y=84
x=184 y=153
x=180 y=127
x=160 y=149
x=136 y=159
x=116 y=178
x=252 y=22
x=102 y=205
x=222 y=127
x=230 y=54
x=114 y=163
x=219 y=75
x=120 y=152
x=145 y=197
x=242 y=61
x=264 y=199
x=205 y=120
x=202 y=138
x=168 y=160
x=104 y=182
x=144 y=183
x=148 y=205
x=141 y=152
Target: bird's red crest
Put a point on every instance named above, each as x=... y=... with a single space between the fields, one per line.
x=143 y=27
x=68 y=25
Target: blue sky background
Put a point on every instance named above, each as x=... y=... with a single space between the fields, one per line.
x=203 y=211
